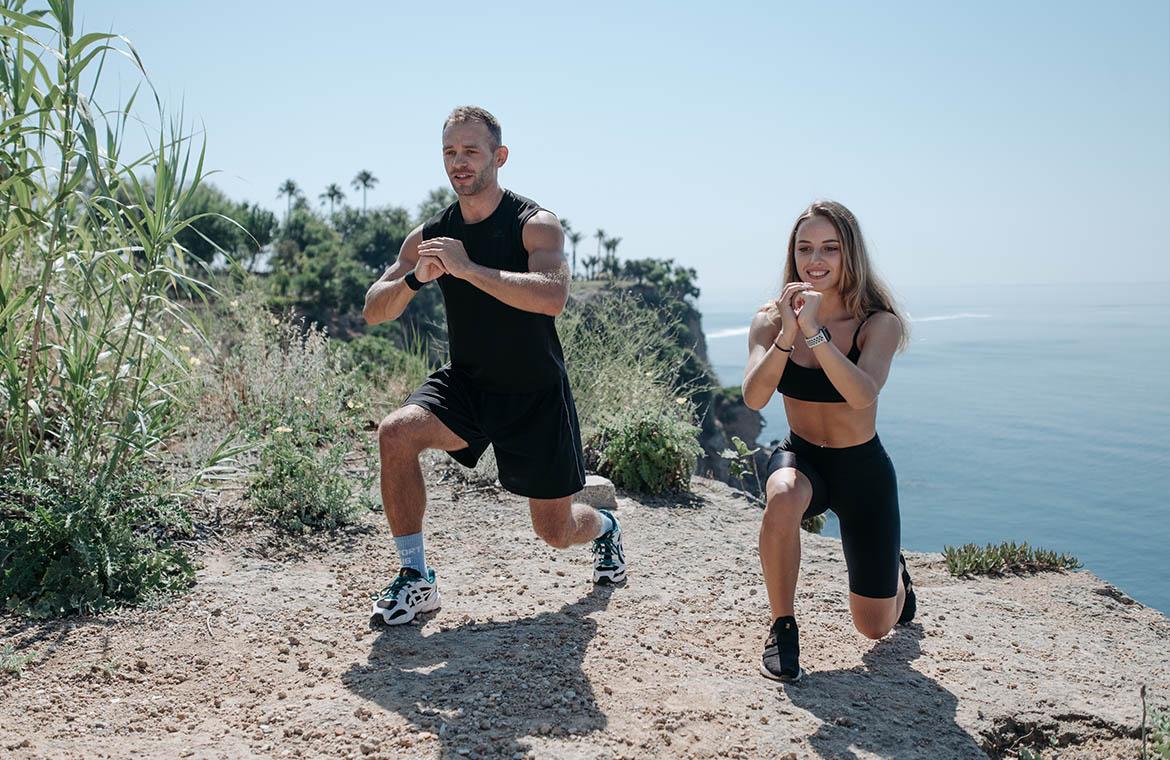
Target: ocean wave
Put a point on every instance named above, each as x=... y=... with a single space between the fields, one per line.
x=730 y=332
x=947 y=317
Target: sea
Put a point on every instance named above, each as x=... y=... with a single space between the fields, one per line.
x=1036 y=413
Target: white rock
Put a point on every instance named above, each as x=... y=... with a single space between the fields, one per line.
x=598 y=492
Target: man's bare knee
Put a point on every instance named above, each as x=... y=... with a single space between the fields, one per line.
x=397 y=434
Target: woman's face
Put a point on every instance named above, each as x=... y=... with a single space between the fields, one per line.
x=818 y=254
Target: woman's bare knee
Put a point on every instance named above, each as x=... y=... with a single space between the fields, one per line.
x=870 y=630
x=873 y=618
x=788 y=499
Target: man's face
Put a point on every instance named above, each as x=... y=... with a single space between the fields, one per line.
x=469 y=157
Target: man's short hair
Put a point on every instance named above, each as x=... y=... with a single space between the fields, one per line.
x=464 y=114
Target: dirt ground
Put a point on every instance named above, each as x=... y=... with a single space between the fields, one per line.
x=274 y=656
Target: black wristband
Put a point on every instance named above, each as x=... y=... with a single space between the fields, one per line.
x=782 y=348
x=412 y=281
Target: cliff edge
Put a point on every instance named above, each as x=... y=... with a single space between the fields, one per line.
x=271 y=654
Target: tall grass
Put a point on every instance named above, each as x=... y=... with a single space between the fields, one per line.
x=91 y=278
x=616 y=350
x=636 y=422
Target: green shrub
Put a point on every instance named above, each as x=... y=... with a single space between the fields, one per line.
x=68 y=544
x=1158 y=738
x=283 y=389
x=379 y=362
x=13 y=663
x=299 y=488
x=1007 y=557
x=644 y=450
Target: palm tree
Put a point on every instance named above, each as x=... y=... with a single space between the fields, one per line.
x=566 y=227
x=600 y=235
x=364 y=181
x=574 y=238
x=291 y=189
x=332 y=194
x=611 y=246
x=591 y=266
x=609 y=264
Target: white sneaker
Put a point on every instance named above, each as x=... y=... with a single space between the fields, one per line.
x=409 y=595
x=609 y=559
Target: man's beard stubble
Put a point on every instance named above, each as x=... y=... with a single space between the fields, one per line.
x=479 y=183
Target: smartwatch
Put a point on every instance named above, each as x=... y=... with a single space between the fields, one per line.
x=412 y=281
x=819 y=337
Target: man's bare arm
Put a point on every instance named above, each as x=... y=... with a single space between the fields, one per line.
x=543 y=289
x=388 y=296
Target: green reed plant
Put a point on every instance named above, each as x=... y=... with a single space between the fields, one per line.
x=92 y=290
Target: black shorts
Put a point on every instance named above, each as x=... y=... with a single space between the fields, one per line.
x=536 y=436
x=859 y=484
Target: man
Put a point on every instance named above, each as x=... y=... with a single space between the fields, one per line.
x=499 y=261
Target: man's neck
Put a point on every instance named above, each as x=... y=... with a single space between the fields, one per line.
x=476 y=208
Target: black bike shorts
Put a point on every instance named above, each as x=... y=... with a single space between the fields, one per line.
x=536 y=436
x=859 y=484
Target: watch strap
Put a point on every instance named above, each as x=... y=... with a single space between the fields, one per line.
x=819 y=337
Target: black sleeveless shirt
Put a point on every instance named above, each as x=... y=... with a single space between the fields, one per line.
x=497 y=347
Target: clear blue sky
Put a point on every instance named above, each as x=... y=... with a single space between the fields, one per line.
x=977 y=142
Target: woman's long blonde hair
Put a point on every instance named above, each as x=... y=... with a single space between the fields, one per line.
x=862 y=291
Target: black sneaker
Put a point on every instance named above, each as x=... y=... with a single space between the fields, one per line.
x=782 y=652
x=910 y=607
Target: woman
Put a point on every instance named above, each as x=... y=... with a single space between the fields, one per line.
x=826 y=345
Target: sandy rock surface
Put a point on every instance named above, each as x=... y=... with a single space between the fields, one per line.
x=275 y=657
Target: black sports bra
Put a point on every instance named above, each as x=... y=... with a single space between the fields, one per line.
x=811 y=383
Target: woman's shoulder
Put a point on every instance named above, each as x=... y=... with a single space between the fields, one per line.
x=766 y=316
x=879 y=322
x=765 y=324
x=881 y=316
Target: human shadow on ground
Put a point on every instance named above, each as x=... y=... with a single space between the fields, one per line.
x=481 y=687
x=884 y=708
